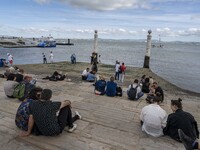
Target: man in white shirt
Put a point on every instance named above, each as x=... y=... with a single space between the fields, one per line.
x=153 y=118
x=10 y=58
x=51 y=57
x=85 y=74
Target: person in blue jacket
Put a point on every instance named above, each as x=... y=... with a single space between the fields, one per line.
x=111 y=87
x=100 y=86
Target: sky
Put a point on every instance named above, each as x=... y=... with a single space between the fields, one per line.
x=172 y=20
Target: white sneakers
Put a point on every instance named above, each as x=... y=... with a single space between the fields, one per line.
x=72 y=128
x=76 y=113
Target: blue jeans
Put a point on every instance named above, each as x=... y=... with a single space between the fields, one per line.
x=139 y=95
x=116 y=75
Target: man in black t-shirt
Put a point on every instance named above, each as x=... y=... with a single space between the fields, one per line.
x=43 y=116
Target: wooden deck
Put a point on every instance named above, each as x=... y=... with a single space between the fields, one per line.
x=107 y=124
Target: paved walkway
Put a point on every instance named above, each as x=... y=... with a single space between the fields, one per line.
x=107 y=124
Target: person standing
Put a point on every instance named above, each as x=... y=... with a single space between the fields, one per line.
x=10 y=58
x=44 y=59
x=99 y=58
x=122 y=72
x=51 y=57
x=94 y=67
x=117 y=65
x=73 y=58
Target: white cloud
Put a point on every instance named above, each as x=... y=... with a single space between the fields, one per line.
x=167 y=32
x=103 y=5
x=42 y=1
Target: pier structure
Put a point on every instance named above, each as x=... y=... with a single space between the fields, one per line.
x=148 y=48
x=94 y=57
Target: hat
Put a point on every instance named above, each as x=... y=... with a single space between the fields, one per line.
x=8 y=54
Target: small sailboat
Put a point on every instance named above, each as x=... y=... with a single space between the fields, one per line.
x=159 y=43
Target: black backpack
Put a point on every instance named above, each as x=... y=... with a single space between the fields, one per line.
x=118 y=91
x=132 y=92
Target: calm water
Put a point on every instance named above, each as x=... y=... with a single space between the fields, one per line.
x=176 y=62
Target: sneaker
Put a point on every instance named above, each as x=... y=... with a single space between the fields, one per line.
x=71 y=129
x=187 y=141
x=77 y=113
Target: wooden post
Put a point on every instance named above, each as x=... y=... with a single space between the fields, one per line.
x=148 y=48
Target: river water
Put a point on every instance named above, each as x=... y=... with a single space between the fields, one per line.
x=177 y=62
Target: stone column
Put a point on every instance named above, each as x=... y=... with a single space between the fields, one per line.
x=95 y=50
x=148 y=48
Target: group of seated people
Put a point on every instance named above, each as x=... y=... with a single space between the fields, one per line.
x=37 y=110
x=88 y=75
x=151 y=88
x=38 y=115
x=17 y=84
x=179 y=125
x=109 y=88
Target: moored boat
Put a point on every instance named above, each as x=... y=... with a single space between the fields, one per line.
x=47 y=42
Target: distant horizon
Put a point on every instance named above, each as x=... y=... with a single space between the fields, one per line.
x=153 y=40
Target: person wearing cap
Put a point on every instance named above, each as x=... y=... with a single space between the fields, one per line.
x=10 y=58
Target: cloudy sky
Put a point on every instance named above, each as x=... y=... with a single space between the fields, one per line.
x=173 y=20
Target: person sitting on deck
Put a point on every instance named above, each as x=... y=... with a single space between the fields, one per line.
x=10 y=85
x=19 y=75
x=23 y=111
x=91 y=76
x=146 y=85
x=111 y=87
x=100 y=86
x=180 y=119
x=132 y=94
x=43 y=113
x=85 y=73
x=153 y=118
x=56 y=77
x=29 y=83
x=156 y=89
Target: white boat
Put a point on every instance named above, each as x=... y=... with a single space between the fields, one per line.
x=47 y=42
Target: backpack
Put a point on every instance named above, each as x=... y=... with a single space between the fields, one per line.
x=19 y=91
x=132 y=92
x=120 y=69
x=118 y=91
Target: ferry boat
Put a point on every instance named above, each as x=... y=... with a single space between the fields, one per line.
x=47 y=42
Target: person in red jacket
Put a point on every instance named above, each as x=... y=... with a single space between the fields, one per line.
x=122 y=69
